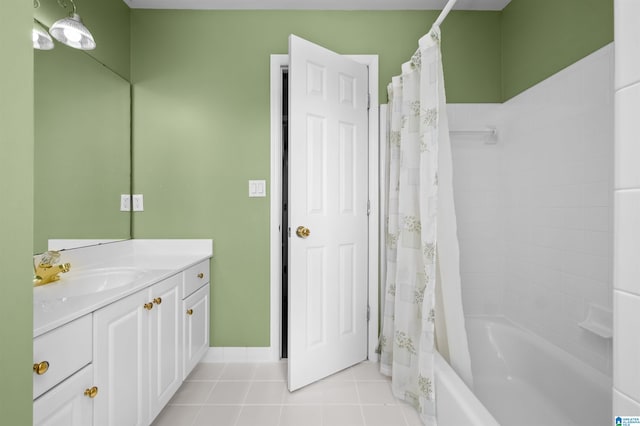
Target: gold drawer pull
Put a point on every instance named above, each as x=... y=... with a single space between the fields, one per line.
x=189 y=311
x=41 y=368
x=201 y=275
x=148 y=306
x=157 y=300
x=91 y=392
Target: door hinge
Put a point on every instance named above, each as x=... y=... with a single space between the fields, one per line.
x=368 y=313
x=368 y=207
x=368 y=101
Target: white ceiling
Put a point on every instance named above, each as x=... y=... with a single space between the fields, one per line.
x=317 y=4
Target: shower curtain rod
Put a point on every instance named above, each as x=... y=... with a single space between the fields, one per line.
x=444 y=13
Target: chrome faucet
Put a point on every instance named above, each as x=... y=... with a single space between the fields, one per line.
x=46 y=269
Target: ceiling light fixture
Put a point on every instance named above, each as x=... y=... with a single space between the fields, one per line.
x=71 y=31
x=41 y=38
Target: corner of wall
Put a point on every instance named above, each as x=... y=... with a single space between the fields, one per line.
x=16 y=226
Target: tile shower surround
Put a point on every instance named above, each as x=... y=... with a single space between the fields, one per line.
x=534 y=211
x=626 y=294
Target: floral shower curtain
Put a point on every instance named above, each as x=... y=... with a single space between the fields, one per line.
x=417 y=128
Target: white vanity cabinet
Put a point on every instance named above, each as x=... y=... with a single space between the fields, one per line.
x=137 y=354
x=113 y=343
x=63 y=387
x=196 y=328
x=195 y=308
x=69 y=403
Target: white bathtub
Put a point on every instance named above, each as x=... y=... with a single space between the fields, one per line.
x=524 y=380
x=455 y=403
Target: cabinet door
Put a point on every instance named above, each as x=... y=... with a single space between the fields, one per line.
x=196 y=328
x=120 y=362
x=66 y=404
x=165 y=356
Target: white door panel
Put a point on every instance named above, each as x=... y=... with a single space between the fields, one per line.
x=328 y=187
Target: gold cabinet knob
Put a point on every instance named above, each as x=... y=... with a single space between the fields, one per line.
x=148 y=306
x=189 y=311
x=91 y=392
x=157 y=300
x=201 y=275
x=41 y=368
x=303 y=232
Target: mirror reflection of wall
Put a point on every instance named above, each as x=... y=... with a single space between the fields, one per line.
x=82 y=148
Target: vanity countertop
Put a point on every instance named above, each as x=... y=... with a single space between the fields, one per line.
x=136 y=263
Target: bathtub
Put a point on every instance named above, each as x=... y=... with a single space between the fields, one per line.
x=523 y=380
x=455 y=403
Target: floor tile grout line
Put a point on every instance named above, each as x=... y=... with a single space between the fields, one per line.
x=196 y=416
x=364 y=420
x=208 y=395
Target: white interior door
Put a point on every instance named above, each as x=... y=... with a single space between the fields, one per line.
x=328 y=179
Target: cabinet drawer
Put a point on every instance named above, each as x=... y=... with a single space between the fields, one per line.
x=67 y=404
x=195 y=277
x=66 y=349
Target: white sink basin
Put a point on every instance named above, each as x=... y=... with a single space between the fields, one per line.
x=81 y=283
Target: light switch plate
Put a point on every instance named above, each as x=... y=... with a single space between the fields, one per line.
x=257 y=188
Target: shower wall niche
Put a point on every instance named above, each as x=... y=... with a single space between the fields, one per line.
x=534 y=210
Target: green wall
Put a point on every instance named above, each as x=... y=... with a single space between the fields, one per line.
x=541 y=37
x=82 y=148
x=16 y=193
x=201 y=125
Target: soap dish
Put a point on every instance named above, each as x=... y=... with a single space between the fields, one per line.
x=599 y=321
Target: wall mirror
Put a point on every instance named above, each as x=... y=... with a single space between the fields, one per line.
x=82 y=148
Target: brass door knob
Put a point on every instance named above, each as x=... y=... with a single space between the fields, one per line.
x=303 y=232
x=157 y=300
x=91 y=392
x=148 y=306
x=189 y=311
x=41 y=368
x=200 y=275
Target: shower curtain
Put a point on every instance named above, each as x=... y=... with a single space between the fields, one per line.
x=422 y=255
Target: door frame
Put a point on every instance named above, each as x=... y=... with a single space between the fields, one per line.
x=278 y=62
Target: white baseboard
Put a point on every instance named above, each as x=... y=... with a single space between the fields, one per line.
x=241 y=354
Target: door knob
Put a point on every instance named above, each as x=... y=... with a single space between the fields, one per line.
x=157 y=300
x=148 y=306
x=303 y=232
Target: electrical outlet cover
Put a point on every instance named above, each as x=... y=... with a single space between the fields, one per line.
x=138 y=203
x=257 y=188
x=125 y=202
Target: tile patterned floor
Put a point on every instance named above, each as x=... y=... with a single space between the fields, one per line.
x=257 y=395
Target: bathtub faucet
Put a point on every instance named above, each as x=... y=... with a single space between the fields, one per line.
x=46 y=270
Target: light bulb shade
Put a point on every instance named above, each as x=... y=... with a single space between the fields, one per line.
x=73 y=33
x=41 y=39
